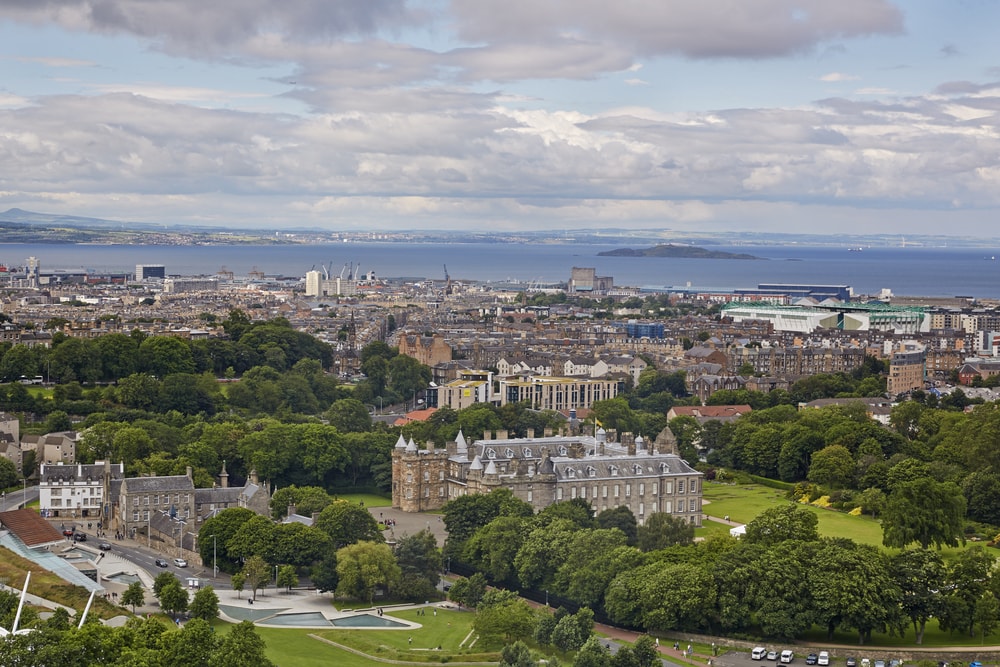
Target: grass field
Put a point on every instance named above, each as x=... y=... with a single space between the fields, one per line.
x=743 y=503
x=369 y=499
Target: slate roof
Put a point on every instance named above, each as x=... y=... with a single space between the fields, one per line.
x=159 y=484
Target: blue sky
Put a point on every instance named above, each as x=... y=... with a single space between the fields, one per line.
x=857 y=116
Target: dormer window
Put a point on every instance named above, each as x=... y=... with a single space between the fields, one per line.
x=614 y=471
x=562 y=450
x=526 y=452
x=591 y=471
x=571 y=472
x=509 y=453
x=490 y=453
x=637 y=469
x=664 y=468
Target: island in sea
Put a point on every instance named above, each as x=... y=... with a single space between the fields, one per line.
x=673 y=250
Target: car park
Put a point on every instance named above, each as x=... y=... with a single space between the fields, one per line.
x=180 y=562
x=160 y=562
x=104 y=546
x=758 y=653
x=772 y=655
x=787 y=656
x=812 y=659
x=824 y=658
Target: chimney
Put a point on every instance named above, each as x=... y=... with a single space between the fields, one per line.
x=531 y=433
x=189 y=472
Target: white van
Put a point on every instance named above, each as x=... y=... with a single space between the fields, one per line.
x=787 y=656
x=824 y=658
x=758 y=653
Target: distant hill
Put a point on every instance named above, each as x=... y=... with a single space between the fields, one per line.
x=671 y=250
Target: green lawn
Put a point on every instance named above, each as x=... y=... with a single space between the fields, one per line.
x=369 y=499
x=743 y=503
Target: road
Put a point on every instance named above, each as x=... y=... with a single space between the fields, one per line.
x=17 y=499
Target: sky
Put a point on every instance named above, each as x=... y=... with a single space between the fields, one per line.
x=854 y=116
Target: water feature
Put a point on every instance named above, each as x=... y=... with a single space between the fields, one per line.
x=367 y=621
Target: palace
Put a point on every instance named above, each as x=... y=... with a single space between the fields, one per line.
x=550 y=469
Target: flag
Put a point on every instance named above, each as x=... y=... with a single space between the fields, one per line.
x=598 y=423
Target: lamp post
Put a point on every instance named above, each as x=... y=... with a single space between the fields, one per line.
x=380 y=405
x=215 y=566
x=546 y=599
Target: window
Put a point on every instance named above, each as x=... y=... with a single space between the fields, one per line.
x=591 y=471
x=668 y=506
x=559 y=493
x=693 y=505
x=614 y=471
x=642 y=509
x=680 y=486
x=509 y=453
x=593 y=492
x=135 y=515
x=427 y=475
x=441 y=476
x=530 y=496
x=604 y=491
x=637 y=469
x=572 y=492
x=628 y=490
x=562 y=450
x=427 y=492
x=156 y=500
x=490 y=453
x=616 y=490
x=642 y=489
x=145 y=500
x=409 y=493
x=670 y=487
x=409 y=477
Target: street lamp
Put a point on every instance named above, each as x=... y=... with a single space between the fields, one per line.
x=215 y=567
x=380 y=405
x=546 y=599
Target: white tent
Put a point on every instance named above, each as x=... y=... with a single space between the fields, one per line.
x=738 y=531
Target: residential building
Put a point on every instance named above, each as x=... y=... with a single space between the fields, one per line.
x=557 y=393
x=907 y=368
x=77 y=491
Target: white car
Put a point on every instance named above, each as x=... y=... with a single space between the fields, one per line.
x=824 y=658
x=787 y=656
x=180 y=562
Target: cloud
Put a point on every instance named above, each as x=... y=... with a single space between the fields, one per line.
x=52 y=61
x=836 y=77
x=636 y=82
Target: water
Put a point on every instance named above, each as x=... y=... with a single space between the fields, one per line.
x=910 y=270
x=367 y=621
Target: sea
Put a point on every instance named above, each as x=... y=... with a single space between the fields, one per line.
x=909 y=270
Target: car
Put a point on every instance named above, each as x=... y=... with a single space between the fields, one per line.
x=68 y=532
x=865 y=662
x=898 y=663
x=758 y=653
x=180 y=562
x=159 y=562
x=851 y=662
x=80 y=537
x=104 y=546
x=880 y=663
x=812 y=659
x=787 y=656
x=824 y=658
x=772 y=655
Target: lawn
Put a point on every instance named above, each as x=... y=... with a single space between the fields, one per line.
x=369 y=499
x=743 y=503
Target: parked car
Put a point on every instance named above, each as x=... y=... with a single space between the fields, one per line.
x=880 y=663
x=80 y=537
x=104 y=546
x=812 y=659
x=772 y=655
x=758 y=653
x=824 y=658
x=160 y=562
x=852 y=662
x=787 y=656
x=180 y=562
x=67 y=532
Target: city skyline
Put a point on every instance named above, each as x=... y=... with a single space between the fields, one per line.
x=780 y=116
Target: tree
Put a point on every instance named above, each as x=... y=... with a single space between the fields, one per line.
x=287 y=577
x=205 y=604
x=8 y=473
x=347 y=523
x=349 y=415
x=240 y=647
x=832 y=467
x=593 y=654
x=134 y=595
x=238 y=580
x=365 y=566
x=223 y=526
x=516 y=655
x=173 y=598
x=924 y=511
x=662 y=530
x=194 y=645
x=986 y=616
x=162 y=580
x=324 y=573
x=778 y=524
x=257 y=573
x=873 y=500
x=493 y=548
x=419 y=559
x=919 y=574
x=510 y=621
x=468 y=591
x=623 y=519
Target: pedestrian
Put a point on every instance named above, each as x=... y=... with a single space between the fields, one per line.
x=657 y=640
x=689 y=649
x=409 y=640
x=435 y=611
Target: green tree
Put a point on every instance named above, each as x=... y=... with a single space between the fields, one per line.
x=365 y=566
x=162 y=580
x=173 y=598
x=509 y=621
x=223 y=526
x=986 y=616
x=165 y=355
x=832 y=466
x=786 y=522
x=494 y=547
x=193 y=645
x=623 y=519
x=349 y=415
x=205 y=604
x=516 y=655
x=134 y=595
x=287 y=578
x=299 y=545
x=593 y=654
x=924 y=511
x=324 y=573
x=238 y=581
x=662 y=530
x=257 y=573
x=241 y=646
x=873 y=500
x=8 y=473
x=419 y=560
x=347 y=523
x=919 y=575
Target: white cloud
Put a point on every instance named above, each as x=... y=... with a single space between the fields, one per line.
x=52 y=61
x=836 y=77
